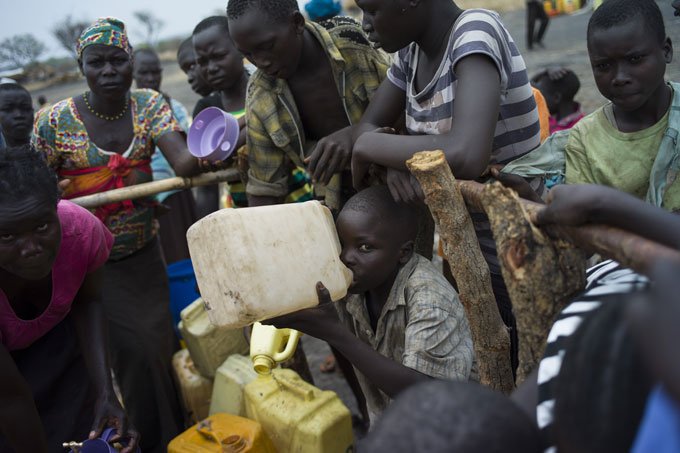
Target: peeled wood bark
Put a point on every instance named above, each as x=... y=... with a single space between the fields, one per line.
x=630 y=250
x=461 y=249
x=542 y=275
x=155 y=187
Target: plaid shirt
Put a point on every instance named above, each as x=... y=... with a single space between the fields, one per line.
x=422 y=326
x=274 y=139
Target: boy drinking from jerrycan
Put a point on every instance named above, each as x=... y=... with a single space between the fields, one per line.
x=401 y=322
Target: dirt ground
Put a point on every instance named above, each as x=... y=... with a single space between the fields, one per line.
x=565 y=45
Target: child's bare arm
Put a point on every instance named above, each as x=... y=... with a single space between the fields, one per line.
x=467 y=146
x=322 y=322
x=583 y=204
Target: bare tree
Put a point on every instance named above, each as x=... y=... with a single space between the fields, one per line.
x=20 y=50
x=151 y=23
x=67 y=33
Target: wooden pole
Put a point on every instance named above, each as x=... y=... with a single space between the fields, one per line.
x=154 y=187
x=629 y=249
x=461 y=248
x=542 y=274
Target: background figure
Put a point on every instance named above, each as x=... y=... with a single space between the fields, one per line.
x=535 y=11
x=16 y=115
x=559 y=87
x=173 y=225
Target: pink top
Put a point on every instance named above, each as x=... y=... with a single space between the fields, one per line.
x=567 y=122
x=85 y=246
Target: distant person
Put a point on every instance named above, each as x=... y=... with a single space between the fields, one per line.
x=321 y=10
x=148 y=73
x=536 y=12
x=42 y=100
x=559 y=87
x=402 y=322
x=186 y=59
x=16 y=115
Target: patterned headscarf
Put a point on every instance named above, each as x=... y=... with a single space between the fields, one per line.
x=108 y=31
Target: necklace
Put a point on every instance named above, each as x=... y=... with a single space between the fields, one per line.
x=101 y=115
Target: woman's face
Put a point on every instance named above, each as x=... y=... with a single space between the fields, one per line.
x=107 y=69
x=30 y=235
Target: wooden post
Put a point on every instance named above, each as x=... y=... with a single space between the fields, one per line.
x=461 y=249
x=154 y=187
x=541 y=274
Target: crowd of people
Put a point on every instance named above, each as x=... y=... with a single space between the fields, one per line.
x=331 y=109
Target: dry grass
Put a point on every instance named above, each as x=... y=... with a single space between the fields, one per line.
x=496 y=5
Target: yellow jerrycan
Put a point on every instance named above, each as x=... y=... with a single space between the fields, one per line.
x=223 y=433
x=270 y=346
x=194 y=388
x=208 y=344
x=230 y=380
x=298 y=417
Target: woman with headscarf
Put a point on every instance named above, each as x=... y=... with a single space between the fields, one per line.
x=101 y=140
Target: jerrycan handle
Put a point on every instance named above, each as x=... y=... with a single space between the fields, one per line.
x=291 y=344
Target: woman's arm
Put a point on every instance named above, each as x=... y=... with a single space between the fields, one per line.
x=19 y=419
x=467 y=146
x=89 y=321
x=173 y=145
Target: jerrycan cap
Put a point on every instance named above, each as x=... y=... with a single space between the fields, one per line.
x=263 y=364
x=213 y=134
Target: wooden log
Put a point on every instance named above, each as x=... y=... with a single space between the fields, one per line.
x=627 y=248
x=154 y=187
x=461 y=249
x=542 y=274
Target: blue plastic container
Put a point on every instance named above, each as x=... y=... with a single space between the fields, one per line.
x=182 y=288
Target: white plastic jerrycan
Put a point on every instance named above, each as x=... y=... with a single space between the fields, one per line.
x=253 y=264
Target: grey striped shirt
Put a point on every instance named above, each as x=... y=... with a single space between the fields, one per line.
x=476 y=31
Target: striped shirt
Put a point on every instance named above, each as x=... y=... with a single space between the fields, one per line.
x=605 y=279
x=430 y=111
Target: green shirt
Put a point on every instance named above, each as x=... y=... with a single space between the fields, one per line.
x=598 y=153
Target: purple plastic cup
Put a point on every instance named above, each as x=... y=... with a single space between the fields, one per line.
x=213 y=135
x=101 y=444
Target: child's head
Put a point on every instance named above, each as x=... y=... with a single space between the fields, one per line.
x=147 y=70
x=603 y=384
x=628 y=51
x=377 y=236
x=444 y=416
x=559 y=91
x=16 y=114
x=186 y=59
x=220 y=64
x=268 y=33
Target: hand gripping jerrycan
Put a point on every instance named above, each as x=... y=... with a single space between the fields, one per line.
x=270 y=346
x=223 y=433
x=100 y=444
x=253 y=264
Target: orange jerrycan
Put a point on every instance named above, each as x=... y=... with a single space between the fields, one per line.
x=194 y=388
x=298 y=417
x=208 y=344
x=223 y=433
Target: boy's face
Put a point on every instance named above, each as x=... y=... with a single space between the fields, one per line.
x=148 y=72
x=220 y=64
x=186 y=59
x=628 y=63
x=369 y=249
x=386 y=24
x=16 y=115
x=274 y=47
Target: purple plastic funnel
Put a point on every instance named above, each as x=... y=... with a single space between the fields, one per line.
x=213 y=134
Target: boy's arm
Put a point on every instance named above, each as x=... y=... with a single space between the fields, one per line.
x=582 y=204
x=467 y=146
x=19 y=419
x=322 y=322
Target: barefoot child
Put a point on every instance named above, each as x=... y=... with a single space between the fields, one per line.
x=402 y=321
x=313 y=82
